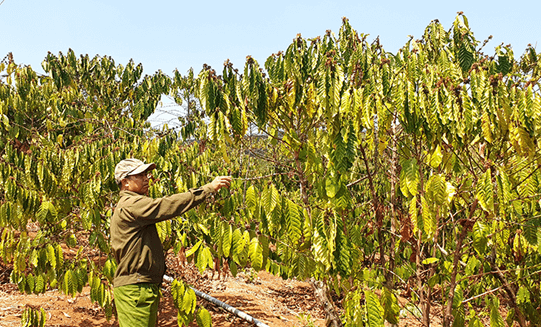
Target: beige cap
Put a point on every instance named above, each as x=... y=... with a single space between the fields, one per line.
x=128 y=167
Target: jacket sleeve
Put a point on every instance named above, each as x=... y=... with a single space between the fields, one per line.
x=147 y=210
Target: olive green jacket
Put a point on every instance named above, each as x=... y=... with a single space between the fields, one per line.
x=134 y=238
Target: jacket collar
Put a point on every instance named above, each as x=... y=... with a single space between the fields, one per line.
x=128 y=193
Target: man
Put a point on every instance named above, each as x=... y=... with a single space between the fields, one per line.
x=135 y=242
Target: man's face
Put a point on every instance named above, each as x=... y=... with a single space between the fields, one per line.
x=138 y=183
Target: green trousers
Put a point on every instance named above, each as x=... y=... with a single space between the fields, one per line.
x=137 y=304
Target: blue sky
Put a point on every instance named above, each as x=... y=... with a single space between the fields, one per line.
x=166 y=35
x=180 y=34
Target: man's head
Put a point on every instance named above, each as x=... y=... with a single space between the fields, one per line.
x=132 y=175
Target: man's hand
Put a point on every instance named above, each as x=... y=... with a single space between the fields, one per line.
x=219 y=182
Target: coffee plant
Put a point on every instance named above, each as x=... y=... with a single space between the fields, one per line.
x=397 y=181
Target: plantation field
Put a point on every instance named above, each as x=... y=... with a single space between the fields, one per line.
x=369 y=188
x=265 y=297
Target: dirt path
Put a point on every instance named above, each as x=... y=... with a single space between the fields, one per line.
x=267 y=298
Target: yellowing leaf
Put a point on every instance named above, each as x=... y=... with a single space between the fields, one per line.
x=191 y=251
x=251 y=198
x=331 y=187
x=429 y=218
x=436 y=189
x=487 y=129
x=409 y=177
x=428 y=261
x=203 y=318
x=413 y=215
x=485 y=193
x=436 y=157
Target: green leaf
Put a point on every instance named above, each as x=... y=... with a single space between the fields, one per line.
x=42 y=318
x=465 y=57
x=342 y=253
x=67 y=282
x=237 y=242
x=184 y=319
x=51 y=256
x=496 y=319
x=270 y=198
x=203 y=318
x=374 y=309
x=480 y=240
x=436 y=189
x=236 y=120
x=504 y=66
x=109 y=269
x=429 y=218
x=59 y=255
x=204 y=259
x=189 y=301
x=256 y=254
x=233 y=268
x=40 y=284
x=177 y=292
x=21 y=284
x=458 y=308
x=474 y=320
x=390 y=306
x=31 y=282
x=339 y=155
x=226 y=238
x=523 y=295
x=539 y=240
x=264 y=243
x=73 y=283
x=47 y=212
x=34 y=258
x=293 y=221
x=510 y=319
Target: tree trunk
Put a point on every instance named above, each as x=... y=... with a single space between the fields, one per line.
x=448 y=317
x=320 y=288
x=511 y=294
x=389 y=277
x=321 y=294
x=377 y=207
x=424 y=301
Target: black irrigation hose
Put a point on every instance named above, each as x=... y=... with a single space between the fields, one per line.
x=223 y=305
